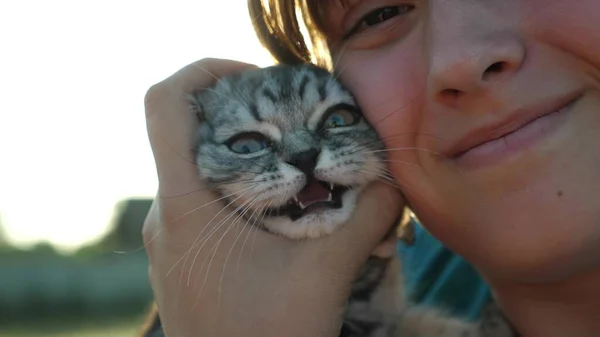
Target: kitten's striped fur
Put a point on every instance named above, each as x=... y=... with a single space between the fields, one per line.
x=284 y=108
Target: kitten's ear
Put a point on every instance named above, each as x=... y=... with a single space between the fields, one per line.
x=196 y=106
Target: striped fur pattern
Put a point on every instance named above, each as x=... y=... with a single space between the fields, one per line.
x=289 y=150
x=306 y=130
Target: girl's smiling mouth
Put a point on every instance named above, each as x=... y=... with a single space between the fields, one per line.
x=524 y=128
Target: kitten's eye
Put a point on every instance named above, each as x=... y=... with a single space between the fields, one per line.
x=339 y=118
x=247 y=143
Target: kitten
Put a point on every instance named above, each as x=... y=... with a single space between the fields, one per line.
x=289 y=149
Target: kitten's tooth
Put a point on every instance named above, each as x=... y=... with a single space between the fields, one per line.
x=301 y=205
x=331 y=187
x=296 y=199
x=330 y=197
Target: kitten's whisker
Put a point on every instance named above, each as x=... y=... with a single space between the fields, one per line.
x=205 y=240
x=374 y=172
x=208 y=72
x=264 y=213
x=388 y=161
x=234 y=243
x=381 y=174
x=410 y=101
x=179 y=218
x=246 y=206
x=361 y=150
x=381 y=139
x=216 y=92
x=179 y=196
x=400 y=185
x=237 y=266
x=212 y=202
x=336 y=73
x=175 y=151
x=384 y=173
x=203 y=165
x=360 y=135
x=200 y=271
x=339 y=73
x=212 y=231
x=193 y=244
x=237 y=170
x=260 y=211
x=378 y=143
x=183 y=194
x=205 y=189
x=402 y=149
x=415 y=134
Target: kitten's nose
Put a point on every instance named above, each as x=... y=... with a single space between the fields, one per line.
x=305 y=161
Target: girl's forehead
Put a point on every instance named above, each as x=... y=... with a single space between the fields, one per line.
x=330 y=14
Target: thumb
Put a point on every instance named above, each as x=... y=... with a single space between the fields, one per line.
x=378 y=209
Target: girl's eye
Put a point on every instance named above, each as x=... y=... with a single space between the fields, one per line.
x=378 y=16
x=340 y=118
x=248 y=143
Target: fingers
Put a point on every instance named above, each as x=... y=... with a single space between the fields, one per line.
x=378 y=208
x=151 y=228
x=171 y=126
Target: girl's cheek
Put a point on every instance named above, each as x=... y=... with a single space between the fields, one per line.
x=389 y=86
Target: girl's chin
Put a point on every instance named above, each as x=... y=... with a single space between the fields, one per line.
x=536 y=233
x=524 y=244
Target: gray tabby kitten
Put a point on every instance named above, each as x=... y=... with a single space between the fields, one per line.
x=289 y=149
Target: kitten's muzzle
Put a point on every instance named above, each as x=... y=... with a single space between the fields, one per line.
x=315 y=195
x=305 y=161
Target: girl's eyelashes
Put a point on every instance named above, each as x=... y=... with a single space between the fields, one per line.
x=376 y=17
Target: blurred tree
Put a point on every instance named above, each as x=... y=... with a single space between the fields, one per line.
x=3 y=239
x=39 y=284
x=128 y=229
x=126 y=233
x=43 y=249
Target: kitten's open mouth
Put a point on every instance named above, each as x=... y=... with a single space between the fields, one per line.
x=315 y=195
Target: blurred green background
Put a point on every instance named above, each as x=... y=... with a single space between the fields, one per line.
x=74 y=151
x=101 y=289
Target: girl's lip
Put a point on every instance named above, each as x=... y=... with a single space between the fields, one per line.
x=515 y=120
x=523 y=128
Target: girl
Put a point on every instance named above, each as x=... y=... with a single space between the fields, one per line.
x=499 y=100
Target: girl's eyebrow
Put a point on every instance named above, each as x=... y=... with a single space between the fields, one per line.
x=346 y=4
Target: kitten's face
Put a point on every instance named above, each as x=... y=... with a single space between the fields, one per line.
x=287 y=148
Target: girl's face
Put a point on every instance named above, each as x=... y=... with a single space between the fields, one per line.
x=491 y=112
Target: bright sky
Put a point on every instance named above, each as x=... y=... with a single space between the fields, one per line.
x=73 y=75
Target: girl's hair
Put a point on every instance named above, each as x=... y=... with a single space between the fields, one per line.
x=277 y=26
x=290 y=30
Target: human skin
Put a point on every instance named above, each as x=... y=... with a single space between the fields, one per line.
x=278 y=287
x=524 y=210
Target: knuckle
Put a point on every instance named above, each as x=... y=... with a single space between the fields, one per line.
x=147 y=235
x=160 y=90
x=155 y=93
x=152 y=276
x=207 y=61
x=149 y=229
x=171 y=86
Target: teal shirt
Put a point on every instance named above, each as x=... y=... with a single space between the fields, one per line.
x=436 y=276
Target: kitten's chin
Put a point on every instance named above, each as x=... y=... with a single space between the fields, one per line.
x=317 y=223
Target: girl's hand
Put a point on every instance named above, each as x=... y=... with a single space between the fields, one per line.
x=271 y=287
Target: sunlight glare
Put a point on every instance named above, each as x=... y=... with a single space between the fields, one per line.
x=73 y=75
